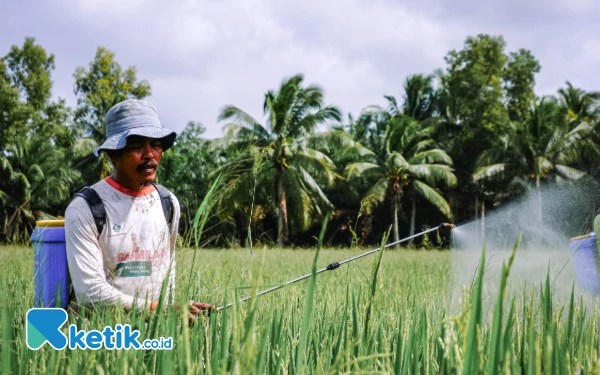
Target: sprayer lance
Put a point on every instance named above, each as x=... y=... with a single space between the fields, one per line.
x=335 y=265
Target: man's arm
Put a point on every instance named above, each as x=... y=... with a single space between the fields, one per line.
x=85 y=260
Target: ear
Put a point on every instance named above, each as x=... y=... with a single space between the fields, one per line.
x=113 y=156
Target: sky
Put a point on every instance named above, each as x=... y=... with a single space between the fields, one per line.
x=202 y=55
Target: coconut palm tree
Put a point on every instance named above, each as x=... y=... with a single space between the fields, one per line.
x=409 y=165
x=276 y=153
x=419 y=98
x=582 y=106
x=427 y=101
x=540 y=148
x=35 y=180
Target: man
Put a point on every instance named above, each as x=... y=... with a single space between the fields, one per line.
x=128 y=260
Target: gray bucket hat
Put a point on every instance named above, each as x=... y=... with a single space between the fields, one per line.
x=134 y=117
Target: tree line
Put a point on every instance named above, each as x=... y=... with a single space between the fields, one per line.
x=450 y=145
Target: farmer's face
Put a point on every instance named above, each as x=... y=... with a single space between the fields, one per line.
x=139 y=159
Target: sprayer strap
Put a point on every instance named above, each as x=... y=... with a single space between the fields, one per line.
x=165 y=202
x=99 y=212
x=95 y=202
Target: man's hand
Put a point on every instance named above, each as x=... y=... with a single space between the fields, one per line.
x=198 y=308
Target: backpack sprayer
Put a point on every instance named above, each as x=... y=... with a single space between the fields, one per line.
x=335 y=265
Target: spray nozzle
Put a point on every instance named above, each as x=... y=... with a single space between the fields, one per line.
x=449 y=226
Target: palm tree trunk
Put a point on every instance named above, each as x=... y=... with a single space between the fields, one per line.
x=483 y=222
x=396 y=235
x=413 y=214
x=8 y=227
x=476 y=215
x=282 y=217
x=539 y=197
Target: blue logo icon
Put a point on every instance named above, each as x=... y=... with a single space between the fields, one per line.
x=43 y=326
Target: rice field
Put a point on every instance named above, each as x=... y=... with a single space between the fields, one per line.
x=406 y=312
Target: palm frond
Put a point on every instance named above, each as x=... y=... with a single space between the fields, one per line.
x=396 y=161
x=433 y=197
x=309 y=182
x=84 y=146
x=36 y=172
x=434 y=173
x=423 y=145
x=543 y=164
x=431 y=157
x=231 y=112
x=316 y=161
x=493 y=155
x=4 y=197
x=299 y=202
x=330 y=141
x=358 y=151
x=569 y=172
x=377 y=194
x=5 y=165
x=393 y=107
x=361 y=169
x=490 y=172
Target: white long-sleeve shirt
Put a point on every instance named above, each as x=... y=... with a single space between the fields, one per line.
x=131 y=256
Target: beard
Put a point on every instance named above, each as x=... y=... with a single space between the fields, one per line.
x=142 y=167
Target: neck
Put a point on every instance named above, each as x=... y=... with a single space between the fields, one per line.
x=128 y=183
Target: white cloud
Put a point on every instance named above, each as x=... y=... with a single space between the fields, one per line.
x=200 y=55
x=591 y=51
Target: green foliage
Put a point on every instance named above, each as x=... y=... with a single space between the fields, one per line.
x=582 y=106
x=474 y=82
x=519 y=79
x=35 y=141
x=98 y=88
x=470 y=133
x=539 y=149
x=25 y=92
x=185 y=168
x=35 y=180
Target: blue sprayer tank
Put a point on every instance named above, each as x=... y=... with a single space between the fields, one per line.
x=586 y=261
x=51 y=275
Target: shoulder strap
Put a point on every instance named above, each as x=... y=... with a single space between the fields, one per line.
x=166 y=203
x=96 y=205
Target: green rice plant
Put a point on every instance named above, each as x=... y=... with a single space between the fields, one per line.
x=300 y=356
x=497 y=351
x=200 y=219
x=403 y=318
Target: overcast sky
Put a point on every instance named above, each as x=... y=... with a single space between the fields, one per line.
x=201 y=55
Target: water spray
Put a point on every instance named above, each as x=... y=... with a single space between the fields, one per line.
x=335 y=265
